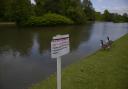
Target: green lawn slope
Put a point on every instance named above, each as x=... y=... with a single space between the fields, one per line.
x=102 y=70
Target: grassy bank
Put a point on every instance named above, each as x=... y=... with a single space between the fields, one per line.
x=102 y=70
x=7 y=23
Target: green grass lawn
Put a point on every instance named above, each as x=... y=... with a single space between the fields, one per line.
x=102 y=70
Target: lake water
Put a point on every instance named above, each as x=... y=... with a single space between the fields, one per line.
x=25 y=52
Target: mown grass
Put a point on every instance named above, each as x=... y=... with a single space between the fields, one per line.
x=102 y=70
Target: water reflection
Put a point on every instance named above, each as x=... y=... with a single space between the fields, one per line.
x=26 y=40
x=25 y=53
x=35 y=46
x=16 y=40
x=76 y=36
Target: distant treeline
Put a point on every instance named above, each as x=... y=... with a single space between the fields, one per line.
x=111 y=17
x=53 y=12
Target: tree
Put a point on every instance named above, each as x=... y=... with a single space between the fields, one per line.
x=6 y=10
x=70 y=8
x=22 y=10
x=45 y=6
x=88 y=9
x=107 y=16
x=125 y=17
x=2 y=9
x=39 y=10
x=8 y=13
x=98 y=16
x=74 y=11
x=53 y=6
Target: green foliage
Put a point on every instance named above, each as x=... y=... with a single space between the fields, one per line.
x=77 y=15
x=70 y=8
x=117 y=18
x=107 y=16
x=49 y=19
x=88 y=10
x=2 y=8
x=113 y=17
x=80 y=11
x=45 y=6
x=74 y=11
x=98 y=16
x=39 y=7
x=8 y=14
x=22 y=10
x=125 y=17
x=6 y=10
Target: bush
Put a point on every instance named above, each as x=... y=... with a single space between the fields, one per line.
x=49 y=19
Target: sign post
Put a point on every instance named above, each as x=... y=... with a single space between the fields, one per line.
x=58 y=72
x=59 y=47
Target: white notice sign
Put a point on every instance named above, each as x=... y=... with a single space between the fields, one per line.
x=60 y=46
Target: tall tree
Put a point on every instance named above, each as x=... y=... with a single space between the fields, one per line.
x=98 y=16
x=69 y=8
x=53 y=6
x=73 y=10
x=39 y=10
x=2 y=9
x=44 y=6
x=6 y=10
x=88 y=9
x=8 y=15
x=22 y=10
x=125 y=17
x=107 y=16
